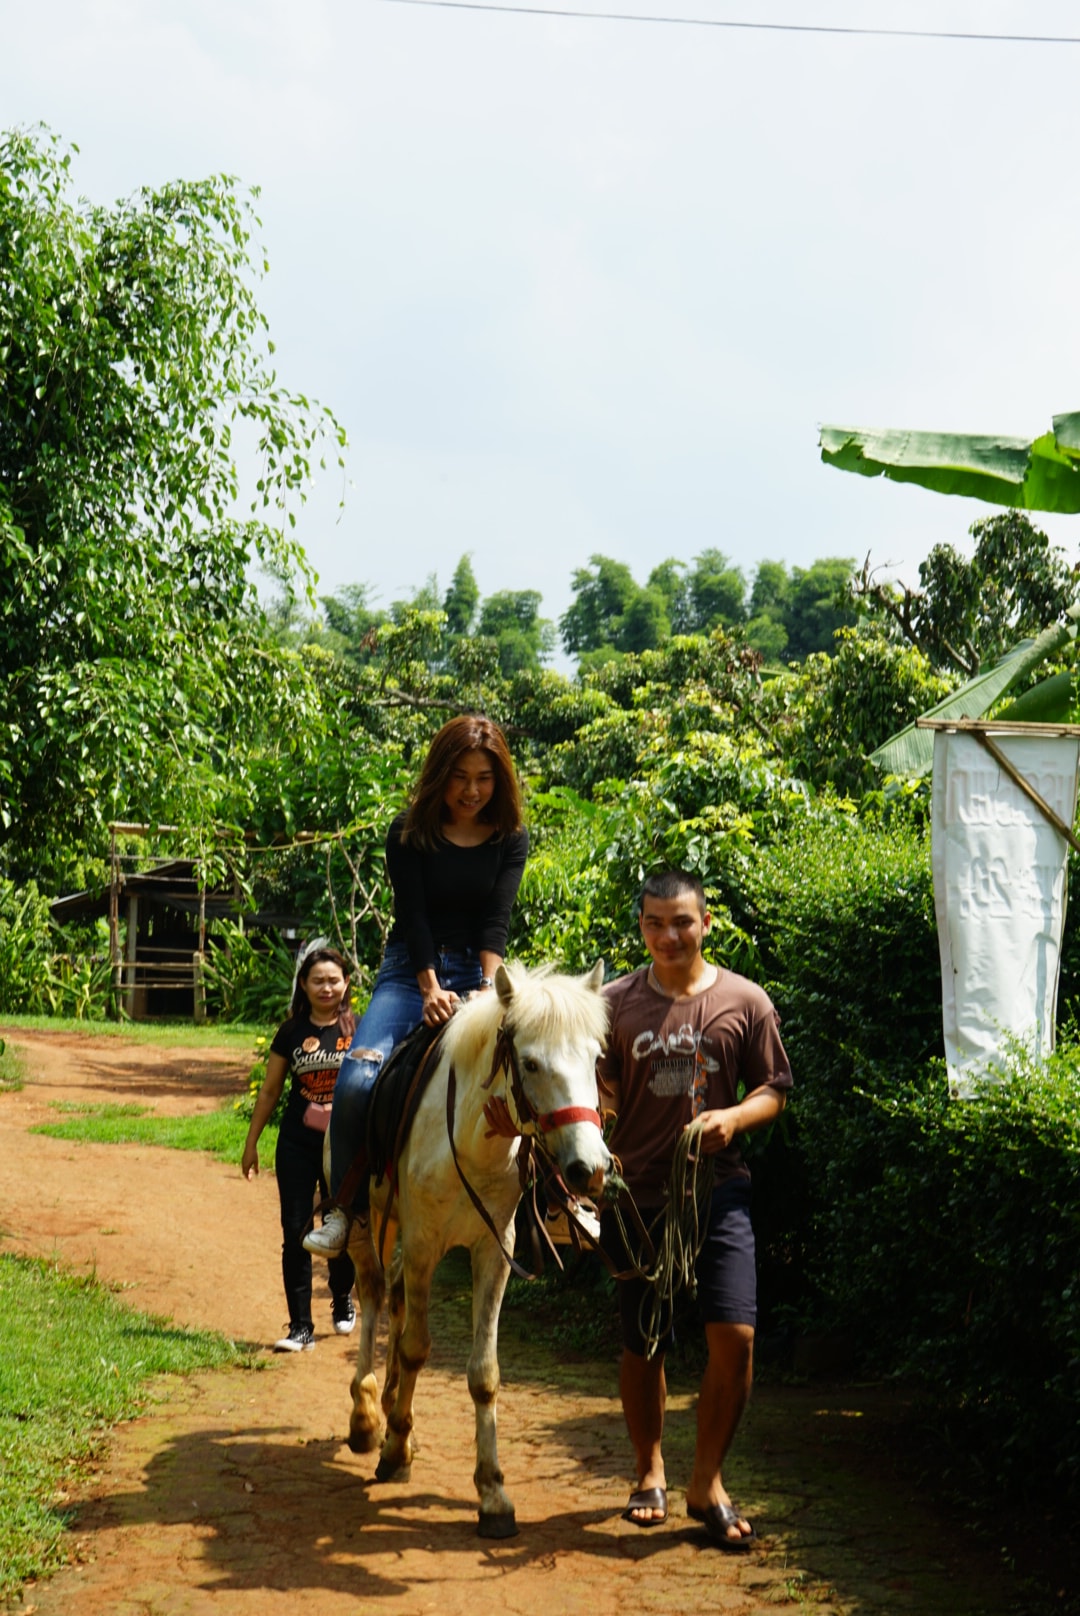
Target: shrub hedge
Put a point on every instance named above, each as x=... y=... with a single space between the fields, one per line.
x=943 y=1238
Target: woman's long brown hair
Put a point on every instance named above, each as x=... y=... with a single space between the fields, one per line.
x=426 y=813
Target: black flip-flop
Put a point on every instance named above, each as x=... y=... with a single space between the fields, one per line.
x=647 y=1498
x=718 y=1519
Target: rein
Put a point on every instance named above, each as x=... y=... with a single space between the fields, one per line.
x=532 y=1126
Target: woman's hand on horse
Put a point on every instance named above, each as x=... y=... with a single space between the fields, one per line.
x=439 y=1006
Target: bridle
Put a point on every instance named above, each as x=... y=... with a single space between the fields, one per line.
x=533 y=1125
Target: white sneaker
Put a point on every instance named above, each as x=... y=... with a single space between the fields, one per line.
x=332 y=1238
x=344 y=1314
x=301 y=1338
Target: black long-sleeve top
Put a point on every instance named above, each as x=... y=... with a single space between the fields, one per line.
x=459 y=897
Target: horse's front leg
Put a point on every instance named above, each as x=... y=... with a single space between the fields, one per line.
x=489 y=1275
x=365 y=1425
x=410 y=1351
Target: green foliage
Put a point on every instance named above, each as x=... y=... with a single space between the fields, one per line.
x=840 y=708
x=968 y=612
x=954 y=1255
x=134 y=371
x=37 y=979
x=11 y=1071
x=248 y=975
x=73 y=1362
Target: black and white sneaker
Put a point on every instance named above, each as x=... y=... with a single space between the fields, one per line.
x=301 y=1338
x=344 y=1314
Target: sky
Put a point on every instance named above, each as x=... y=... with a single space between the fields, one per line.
x=581 y=286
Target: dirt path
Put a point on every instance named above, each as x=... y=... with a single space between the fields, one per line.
x=235 y=1493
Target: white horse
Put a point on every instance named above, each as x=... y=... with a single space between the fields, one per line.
x=552 y=1028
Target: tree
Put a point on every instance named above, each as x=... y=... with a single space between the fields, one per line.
x=462 y=599
x=133 y=356
x=818 y=605
x=512 y=619
x=601 y=598
x=717 y=592
x=768 y=610
x=968 y=612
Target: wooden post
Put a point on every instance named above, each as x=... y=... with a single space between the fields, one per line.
x=130 y=955
x=115 y=957
x=198 y=961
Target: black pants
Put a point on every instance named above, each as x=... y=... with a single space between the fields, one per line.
x=298 y=1164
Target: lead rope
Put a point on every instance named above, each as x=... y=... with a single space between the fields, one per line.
x=686 y=1222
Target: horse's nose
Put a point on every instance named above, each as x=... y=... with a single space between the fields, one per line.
x=584 y=1179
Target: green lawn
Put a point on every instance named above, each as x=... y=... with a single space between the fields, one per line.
x=73 y=1362
x=11 y=1072
x=222 y=1132
x=177 y=1033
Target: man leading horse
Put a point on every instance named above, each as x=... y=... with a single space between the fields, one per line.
x=687 y=1039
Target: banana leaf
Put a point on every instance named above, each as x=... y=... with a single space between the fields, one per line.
x=1038 y=475
x=911 y=750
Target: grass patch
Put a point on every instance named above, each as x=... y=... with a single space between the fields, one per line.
x=73 y=1362
x=176 y=1034
x=222 y=1133
x=11 y=1072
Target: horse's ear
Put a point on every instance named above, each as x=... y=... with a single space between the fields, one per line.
x=595 y=978
x=504 y=987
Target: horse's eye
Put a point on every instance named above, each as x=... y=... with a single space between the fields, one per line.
x=531 y=1065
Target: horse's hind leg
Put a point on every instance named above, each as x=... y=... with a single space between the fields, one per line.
x=489 y=1271
x=365 y=1425
x=411 y=1343
x=396 y=1312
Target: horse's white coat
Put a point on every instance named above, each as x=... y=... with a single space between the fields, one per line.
x=558 y=1024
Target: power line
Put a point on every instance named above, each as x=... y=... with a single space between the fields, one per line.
x=757 y=27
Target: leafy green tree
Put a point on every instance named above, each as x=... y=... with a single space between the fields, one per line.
x=717 y=592
x=462 y=599
x=768 y=610
x=670 y=579
x=351 y=617
x=969 y=611
x=829 y=716
x=818 y=605
x=646 y=622
x=602 y=593
x=511 y=617
x=134 y=362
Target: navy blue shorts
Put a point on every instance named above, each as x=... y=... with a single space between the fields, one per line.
x=725 y=1270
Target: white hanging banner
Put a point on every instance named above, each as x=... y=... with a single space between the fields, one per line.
x=999 y=869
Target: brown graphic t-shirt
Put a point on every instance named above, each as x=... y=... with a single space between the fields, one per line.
x=668 y=1059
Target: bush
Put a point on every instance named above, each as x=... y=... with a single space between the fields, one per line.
x=956 y=1263
x=248 y=975
x=36 y=979
x=842 y=915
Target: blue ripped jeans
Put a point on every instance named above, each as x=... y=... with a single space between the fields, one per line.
x=395 y=1008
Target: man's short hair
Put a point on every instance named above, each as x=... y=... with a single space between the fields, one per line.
x=668 y=884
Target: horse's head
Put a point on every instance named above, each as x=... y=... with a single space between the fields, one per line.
x=556 y=1026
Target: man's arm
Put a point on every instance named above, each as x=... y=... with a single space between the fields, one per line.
x=757 y=1110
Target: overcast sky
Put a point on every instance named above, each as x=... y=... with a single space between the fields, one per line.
x=583 y=285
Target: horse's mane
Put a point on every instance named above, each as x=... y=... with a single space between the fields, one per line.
x=545 y=1005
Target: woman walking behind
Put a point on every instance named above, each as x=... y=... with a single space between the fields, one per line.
x=455 y=859
x=307 y=1050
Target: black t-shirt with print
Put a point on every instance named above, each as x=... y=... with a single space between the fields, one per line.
x=314 y=1056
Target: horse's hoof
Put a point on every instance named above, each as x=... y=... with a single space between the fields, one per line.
x=501 y=1525
x=364 y=1441
x=387 y=1470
